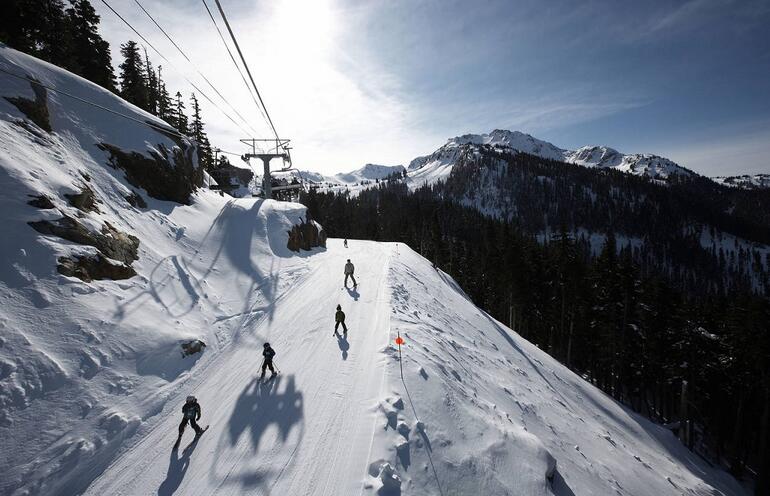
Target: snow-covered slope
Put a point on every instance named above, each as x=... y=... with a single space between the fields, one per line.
x=92 y=379
x=438 y=165
x=354 y=181
x=745 y=181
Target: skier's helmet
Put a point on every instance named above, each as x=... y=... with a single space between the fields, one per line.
x=190 y=398
x=348 y=260
x=339 y=307
x=266 y=345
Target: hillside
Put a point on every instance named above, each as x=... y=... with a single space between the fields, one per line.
x=366 y=177
x=95 y=309
x=437 y=166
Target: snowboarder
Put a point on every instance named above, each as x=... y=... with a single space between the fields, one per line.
x=268 y=353
x=192 y=413
x=345 y=242
x=349 y=269
x=339 y=318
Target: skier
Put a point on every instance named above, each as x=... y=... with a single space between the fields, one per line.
x=192 y=413
x=268 y=353
x=339 y=318
x=345 y=242
x=349 y=273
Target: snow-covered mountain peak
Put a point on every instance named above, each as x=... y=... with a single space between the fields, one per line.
x=515 y=140
x=603 y=157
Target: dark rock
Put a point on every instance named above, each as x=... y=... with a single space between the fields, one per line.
x=89 y=268
x=36 y=110
x=84 y=201
x=136 y=200
x=85 y=175
x=306 y=235
x=169 y=175
x=229 y=178
x=111 y=242
x=192 y=347
x=41 y=201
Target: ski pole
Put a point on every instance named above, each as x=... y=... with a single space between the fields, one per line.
x=277 y=370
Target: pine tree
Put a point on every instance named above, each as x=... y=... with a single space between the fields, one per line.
x=165 y=110
x=153 y=90
x=133 y=82
x=180 y=119
x=40 y=28
x=92 y=53
x=199 y=135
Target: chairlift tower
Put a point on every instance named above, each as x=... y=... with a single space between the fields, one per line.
x=276 y=149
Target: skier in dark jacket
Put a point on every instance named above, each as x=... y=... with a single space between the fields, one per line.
x=349 y=269
x=268 y=353
x=339 y=318
x=192 y=413
x=345 y=242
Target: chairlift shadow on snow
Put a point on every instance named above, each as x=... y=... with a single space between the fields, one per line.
x=177 y=468
x=342 y=342
x=273 y=405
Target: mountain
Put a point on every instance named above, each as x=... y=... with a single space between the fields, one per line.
x=366 y=176
x=745 y=181
x=438 y=165
x=114 y=261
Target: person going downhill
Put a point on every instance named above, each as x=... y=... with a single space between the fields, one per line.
x=268 y=353
x=192 y=413
x=345 y=242
x=349 y=269
x=339 y=318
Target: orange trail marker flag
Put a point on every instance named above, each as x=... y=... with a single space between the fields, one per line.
x=399 y=342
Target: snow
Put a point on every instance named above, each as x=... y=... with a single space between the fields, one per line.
x=437 y=166
x=745 y=181
x=92 y=379
x=366 y=177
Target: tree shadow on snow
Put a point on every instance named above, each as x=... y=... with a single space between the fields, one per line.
x=177 y=468
x=342 y=342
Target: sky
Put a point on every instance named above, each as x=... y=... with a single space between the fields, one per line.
x=352 y=82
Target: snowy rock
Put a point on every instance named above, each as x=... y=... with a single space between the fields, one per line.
x=391 y=482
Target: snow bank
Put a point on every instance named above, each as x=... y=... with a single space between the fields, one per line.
x=479 y=410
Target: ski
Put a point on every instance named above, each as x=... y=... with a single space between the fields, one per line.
x=199 y=434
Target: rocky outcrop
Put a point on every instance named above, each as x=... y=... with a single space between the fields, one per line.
x=167 y=174
x=41 y=201
x=136 y=200
x=230 y=178
x=84 y=201
x=111 y=242
x=36 y=110
x=89 y=268
x=192 y=347
x=306 y=235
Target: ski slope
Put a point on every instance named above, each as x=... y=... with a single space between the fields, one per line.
x=308 y=431
x=92 y=381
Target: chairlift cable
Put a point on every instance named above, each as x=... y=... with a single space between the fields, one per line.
x=173 y=66
x=246 y=66
x=193 y=65
x=232 y=57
